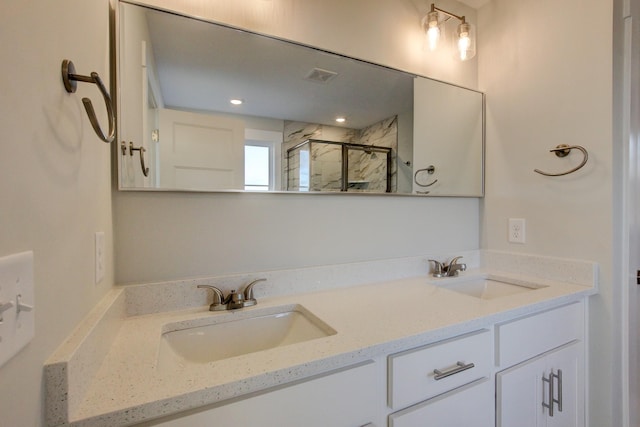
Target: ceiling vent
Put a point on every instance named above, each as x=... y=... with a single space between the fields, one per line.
x=319 y=75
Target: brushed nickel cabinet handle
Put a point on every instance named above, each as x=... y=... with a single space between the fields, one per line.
x=558 y=376
x=460 y=367
x=549 y=382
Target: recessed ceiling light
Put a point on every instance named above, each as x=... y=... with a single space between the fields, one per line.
x=341 y=119
x=236 y=101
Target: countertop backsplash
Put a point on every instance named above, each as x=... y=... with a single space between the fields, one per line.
x=181 y=294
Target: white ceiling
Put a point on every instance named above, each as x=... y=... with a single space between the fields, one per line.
x=201 y=66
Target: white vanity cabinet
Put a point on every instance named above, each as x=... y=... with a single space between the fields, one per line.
x=524 y=372
x=546 y=386
x=348 y=398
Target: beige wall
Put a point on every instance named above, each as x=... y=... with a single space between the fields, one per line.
x=55 y=186
x=167 y=236
x=163 y=236
x=54 y=178
x=548 y=80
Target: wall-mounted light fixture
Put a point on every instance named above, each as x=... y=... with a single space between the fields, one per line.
x=433 y=24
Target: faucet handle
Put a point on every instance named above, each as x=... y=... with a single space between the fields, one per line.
x=454 y=260
x=218 y=298
x=454 y=268
x=438 y=270
x=249 y=299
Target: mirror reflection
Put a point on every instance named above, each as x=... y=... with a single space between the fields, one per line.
x=214 y=108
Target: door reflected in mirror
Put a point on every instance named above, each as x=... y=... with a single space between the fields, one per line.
x=177 y=77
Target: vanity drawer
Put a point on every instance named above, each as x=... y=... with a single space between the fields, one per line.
x=421 y=373
x=469 y=405
x=530 y=336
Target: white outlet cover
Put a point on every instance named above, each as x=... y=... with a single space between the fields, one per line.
x=17 y=327
x=517 y=230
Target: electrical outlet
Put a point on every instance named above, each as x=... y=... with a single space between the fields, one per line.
x=100 y=268
x=516 y=230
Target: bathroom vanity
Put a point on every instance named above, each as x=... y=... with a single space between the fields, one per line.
x=462 y=394
x=391 y=353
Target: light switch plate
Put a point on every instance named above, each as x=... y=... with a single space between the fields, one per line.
x=17 y=327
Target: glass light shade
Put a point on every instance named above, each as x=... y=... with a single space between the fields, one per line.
x=466 y=48
x=433 y=29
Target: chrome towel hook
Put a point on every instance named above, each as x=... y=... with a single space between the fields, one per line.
x=70 y=79
x=145 y=170
x=563 y=150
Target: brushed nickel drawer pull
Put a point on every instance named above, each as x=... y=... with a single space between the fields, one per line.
x=460 y=366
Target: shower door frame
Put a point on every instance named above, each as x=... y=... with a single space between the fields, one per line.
x=345 y=146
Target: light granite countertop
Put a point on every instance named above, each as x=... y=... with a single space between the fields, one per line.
x=371 y=320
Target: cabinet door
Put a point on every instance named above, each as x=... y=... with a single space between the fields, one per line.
x=569 y=388
x=523 y=390
x=519 y=395
x=350 y=398
x=470 y=405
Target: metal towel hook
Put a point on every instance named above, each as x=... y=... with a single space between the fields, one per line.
x=563 y=150
x=145 y=170
x=70 y=79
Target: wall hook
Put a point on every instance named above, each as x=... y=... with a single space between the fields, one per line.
x=70 y=79
x=145 y=170
x=563 y=150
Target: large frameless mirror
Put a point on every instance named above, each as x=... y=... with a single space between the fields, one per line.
x=205 y=107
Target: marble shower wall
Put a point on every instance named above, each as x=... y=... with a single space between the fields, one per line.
x=327 y=158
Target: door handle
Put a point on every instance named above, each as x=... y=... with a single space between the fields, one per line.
x=551 y=390
x=558 y=401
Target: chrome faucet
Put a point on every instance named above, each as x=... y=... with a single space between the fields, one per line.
x=234 y=300
x=448 y=270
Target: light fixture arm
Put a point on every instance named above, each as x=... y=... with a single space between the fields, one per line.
x=452 y=15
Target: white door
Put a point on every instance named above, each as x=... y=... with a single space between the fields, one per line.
x=631 y=218
x=201 y=151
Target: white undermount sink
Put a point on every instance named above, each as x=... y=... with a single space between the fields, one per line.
x=229 y=334
x=489 y=287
